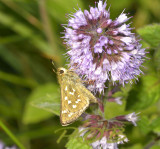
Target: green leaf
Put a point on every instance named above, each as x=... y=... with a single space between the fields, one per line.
x=136 y=146
x=123 y=91
x=145 y=93
x=25 y=32
x=157 y=60
x=155 y=147
x=45 y=97
x=155 y=125
x=143 y=125
x=17 y=80
x=151 y=34
x=7 y=55
x=110 y=111
x=77 y=143
x=62 y=7
x=49 y=103
x=11 y=135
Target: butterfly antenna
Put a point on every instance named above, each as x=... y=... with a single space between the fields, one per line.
x=55 y=68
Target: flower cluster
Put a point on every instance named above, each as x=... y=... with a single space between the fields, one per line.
x=103 y=49
x=106 y=133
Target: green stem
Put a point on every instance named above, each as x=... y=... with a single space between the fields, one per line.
x=11 y=135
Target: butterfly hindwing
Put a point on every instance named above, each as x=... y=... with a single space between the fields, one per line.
x=73 y=104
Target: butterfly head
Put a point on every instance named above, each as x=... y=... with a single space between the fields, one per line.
x=61 y=71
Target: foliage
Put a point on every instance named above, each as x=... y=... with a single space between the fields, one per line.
x=29 y=92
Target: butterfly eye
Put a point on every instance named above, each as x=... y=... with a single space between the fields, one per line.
x=61 y=71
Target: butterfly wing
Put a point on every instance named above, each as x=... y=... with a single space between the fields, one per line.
x=73 y=103
x=75 y=97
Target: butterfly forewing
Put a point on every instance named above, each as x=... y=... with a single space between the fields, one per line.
x=75 y=97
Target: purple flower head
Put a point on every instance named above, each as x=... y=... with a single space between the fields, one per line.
x=103 y=49
x=101 y=133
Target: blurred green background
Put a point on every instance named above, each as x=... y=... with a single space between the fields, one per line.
x=30 y=36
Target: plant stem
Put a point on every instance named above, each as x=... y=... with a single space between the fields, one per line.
x=11 y=135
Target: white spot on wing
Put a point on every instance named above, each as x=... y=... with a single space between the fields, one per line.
x=74 y=106
x=69 y=102
x=65 y=111
x=66 y=98
x=78 y=100
x=66 y=88
x=73 y=90
x=70 y=114
x=72 y=93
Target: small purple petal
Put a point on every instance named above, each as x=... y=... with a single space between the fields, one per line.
x=99 y=30
x=109 y=51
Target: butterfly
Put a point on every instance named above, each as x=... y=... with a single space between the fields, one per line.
x=75 y=97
